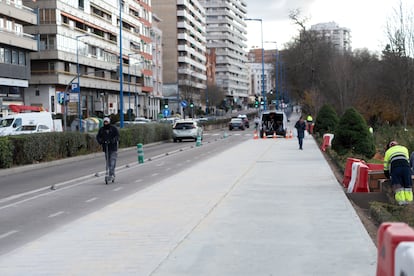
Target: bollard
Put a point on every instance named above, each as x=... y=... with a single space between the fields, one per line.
x=225 y=134
x=140 y=153
x=198 y=142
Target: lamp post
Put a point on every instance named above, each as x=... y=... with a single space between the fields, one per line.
x=78 y=77
x=263 y=82
x=121 y=85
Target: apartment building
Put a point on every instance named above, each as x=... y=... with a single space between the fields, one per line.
x=81 y=49
x=184 y=52
x=156 y=37
x=15 y=48
x=226 y=31
x=338 y=36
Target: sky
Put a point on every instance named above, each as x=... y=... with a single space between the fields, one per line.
x=366 y=19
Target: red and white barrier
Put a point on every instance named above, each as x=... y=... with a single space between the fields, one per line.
x=327 y=141
x=354 y=176
x=348 y=171
x=390 y=235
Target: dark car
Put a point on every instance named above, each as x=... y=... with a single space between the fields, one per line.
x=236 y=123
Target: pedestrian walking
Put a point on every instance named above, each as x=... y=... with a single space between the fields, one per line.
x=309 y=123
x=108 y=138
x=397 y=168
x=300 y=127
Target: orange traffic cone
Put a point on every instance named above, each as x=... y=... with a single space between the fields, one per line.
x=291 y=134
x=274 y=135
x=255 y=136
x=264 y=135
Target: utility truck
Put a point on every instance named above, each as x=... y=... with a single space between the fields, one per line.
x=10 y=123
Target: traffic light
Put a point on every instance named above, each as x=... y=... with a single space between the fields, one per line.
x=165 y=103
x=191 y=105
x=256 y=101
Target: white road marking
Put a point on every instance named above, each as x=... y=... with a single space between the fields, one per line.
x=117 y=189
x=91 y=199
x=56 y=214
x=138 y=180
x=154 y=174
x=8 y=234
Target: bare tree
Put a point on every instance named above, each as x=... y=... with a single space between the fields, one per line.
x=399 y=55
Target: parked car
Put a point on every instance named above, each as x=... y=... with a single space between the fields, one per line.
x=29 y=129
x=273 y=122
x=141 y=120
x=187 y=129
x=236 y=123
x=245 y=120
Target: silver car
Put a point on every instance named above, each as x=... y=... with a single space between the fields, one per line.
x=187 y=129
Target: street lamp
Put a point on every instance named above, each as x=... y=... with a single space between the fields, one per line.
x=263 y=81
x=78 y=76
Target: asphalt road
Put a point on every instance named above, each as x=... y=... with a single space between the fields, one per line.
x=34 y=200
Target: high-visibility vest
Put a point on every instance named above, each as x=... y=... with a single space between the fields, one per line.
x=394 y=153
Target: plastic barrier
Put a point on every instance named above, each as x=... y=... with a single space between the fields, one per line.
x=404 y=259
x=327 y=141
x=375 y=167
x=354 y=176
x=361 y=183
x=390 y=235
x=348 y=171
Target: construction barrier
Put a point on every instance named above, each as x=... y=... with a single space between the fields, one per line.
x=348 y=171
x=361 y=183
x=404 y=259
x=327 y=141
x=354 y=176
x=390 y=235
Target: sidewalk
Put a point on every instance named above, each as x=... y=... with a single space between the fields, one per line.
x=261 y=208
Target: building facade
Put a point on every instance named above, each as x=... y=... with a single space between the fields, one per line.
x=184 y=52
x=226 y=31
x=15 y=48
x=81 y=49
x=338 y=36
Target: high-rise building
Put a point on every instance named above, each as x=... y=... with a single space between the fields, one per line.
x=184 y=51
x=226 y=31
x=156 y=37
x=15 y=48
x=80 y=46
x=339 y=37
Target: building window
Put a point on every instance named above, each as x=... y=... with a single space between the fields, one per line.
x=22 y=58
x=15 y=57
x=7 y=56
x=81 y=4
x=37 y=92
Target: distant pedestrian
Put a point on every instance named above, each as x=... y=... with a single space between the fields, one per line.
x=300 y=127
x=397 y=168
x=309 y=123
x=108 y=138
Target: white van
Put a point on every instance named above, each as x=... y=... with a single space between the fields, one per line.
x=273 y=122
x=10 y=123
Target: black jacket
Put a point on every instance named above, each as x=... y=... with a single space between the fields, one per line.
x=108 y=136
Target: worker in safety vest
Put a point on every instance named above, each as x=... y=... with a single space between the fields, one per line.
x=397 y=168
x=309 y=124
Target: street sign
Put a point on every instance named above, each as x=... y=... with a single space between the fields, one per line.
x=166 y=112
x=75 y=87
x=73 y=97
x=184 y=103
